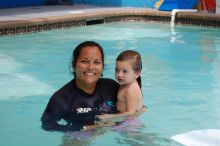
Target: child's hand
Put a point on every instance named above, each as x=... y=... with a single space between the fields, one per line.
x=104 y=117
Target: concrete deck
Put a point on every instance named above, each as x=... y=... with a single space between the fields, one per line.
x=13 y=18
x=25 y=13
x=17 y=17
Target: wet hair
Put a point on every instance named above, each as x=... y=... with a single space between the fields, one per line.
x=134 y=58
x=78 y=50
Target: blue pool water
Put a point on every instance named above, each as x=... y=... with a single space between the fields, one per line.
x=181 y=82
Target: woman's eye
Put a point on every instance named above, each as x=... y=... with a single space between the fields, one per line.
x=83 y=61
x=97 y=62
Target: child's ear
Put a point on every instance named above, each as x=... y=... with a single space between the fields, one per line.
x=138 y=73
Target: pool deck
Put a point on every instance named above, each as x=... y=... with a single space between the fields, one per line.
x=16 y=20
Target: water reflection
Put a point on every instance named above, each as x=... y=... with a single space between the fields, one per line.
x=175 y=38
x=131 y=132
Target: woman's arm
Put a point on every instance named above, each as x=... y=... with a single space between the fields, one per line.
x=131 y=107
x=49 y=124
x=53 y=113
x=115 y=118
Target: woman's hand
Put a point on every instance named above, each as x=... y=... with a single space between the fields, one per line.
x=104 y=120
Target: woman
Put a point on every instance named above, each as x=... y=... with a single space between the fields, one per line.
x=86 y=96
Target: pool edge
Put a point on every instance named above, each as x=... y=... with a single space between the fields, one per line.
x=14 y=27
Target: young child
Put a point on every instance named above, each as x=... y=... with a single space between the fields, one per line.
x=127 y=72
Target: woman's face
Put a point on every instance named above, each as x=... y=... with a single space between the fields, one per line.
x=88 y=67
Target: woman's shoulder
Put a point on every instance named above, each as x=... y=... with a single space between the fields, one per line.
x=65 y=90
x=108 y=81
x=108 y=84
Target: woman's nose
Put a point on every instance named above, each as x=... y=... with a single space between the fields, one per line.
x=91 y=66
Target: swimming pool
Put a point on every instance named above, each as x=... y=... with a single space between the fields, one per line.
x=181 y=82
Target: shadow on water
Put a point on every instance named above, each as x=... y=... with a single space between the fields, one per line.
x=129 y=133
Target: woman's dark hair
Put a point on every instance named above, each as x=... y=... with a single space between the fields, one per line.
x=134 y=58
x=79 y=48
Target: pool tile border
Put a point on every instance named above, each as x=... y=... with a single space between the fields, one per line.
x=77 y=20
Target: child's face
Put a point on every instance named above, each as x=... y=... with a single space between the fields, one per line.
x=124 y=72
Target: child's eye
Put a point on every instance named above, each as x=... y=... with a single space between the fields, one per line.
x=125 y=71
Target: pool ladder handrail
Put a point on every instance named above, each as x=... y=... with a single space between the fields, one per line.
x=175 y=11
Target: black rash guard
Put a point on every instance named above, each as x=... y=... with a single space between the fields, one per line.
x=78 y=108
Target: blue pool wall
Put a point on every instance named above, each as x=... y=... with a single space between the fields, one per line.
x=112 y=3
x=119 y=3
x=21 y=3
x=166 y=5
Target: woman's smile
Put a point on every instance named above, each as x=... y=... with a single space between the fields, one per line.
x=90 y=73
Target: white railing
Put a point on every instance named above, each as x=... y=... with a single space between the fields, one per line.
x=175 y=11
